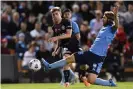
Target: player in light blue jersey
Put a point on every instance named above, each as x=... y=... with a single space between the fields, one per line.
x=94 y=58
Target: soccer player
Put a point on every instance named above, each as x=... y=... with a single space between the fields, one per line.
x=94 y=58
x=75 y=41
x=64 y=40
x=73 y=46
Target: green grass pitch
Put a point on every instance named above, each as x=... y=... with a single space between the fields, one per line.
x=120 y=85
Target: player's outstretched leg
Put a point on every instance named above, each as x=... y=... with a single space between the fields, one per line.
x=59 y=63
x=103 y=82
x=92 y=78
x=54 y=65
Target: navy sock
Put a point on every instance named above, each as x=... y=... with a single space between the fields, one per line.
x=66 y=75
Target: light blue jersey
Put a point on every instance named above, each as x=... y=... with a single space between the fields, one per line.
x=75 y=27
x=103 y=40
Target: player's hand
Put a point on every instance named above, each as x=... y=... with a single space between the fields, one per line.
x=53 y=39
x=54 y=53
x=115 y=10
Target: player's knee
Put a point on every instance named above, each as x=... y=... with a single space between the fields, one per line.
x=91 y=81
x=70 y=59
x=66 y=55
x=91 y=78
x=66 y=67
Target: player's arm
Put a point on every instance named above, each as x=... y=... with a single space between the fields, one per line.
x=66 y=35
x=56 y=48
x=116 y=20
x=68 y=28
x=56 y=45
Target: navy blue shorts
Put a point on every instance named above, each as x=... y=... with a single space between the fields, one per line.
x=94 y=61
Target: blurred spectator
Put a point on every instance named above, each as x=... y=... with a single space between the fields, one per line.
x=23 y=29
x=91 y=5
x=44 y=25
x=37 y=33
x=14 y=24
x=121 y=5
x=39 y=7
x=48 y=45
x=14 y=5
x=29 y=55
x=84 y=30
x=107 y=5
x=96 y=23
x=22 y=8
x=115 y=64
x=20 y=50
x=4 y=25
x=4 y=49
x=31 y=22
x=121 y=38
x=85 y=12
x=76 y=16
x=128 y=16
x=8 y=12
x=13 y=27
x=99 y=6
x=128 y=50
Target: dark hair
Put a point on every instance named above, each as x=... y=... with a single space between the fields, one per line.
x=67 y=10
x=110 y=17
x=43 y=17
x=55 y=9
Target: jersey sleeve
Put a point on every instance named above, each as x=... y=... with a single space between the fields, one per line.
x=75 y=27
x=67 y=24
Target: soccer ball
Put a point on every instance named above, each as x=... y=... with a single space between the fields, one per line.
x=35 y=65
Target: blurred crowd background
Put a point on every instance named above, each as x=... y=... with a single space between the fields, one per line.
x=26 y=27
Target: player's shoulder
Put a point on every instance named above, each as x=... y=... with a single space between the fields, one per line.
x=74 y=23
x=109 y=29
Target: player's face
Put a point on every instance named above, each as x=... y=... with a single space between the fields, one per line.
x=56 y=16
x=104 y=20
x=67 y=15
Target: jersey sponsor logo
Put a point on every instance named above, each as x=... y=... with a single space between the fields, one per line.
x=63 y=27
x=80 y=52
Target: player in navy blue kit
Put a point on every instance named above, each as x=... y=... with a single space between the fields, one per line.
x=66 y=35
x=72 y=47
x=94 y=58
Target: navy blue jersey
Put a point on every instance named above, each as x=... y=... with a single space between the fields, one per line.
x=60 y=29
